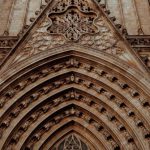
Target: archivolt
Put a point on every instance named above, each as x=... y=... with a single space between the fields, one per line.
x=80 y=114
x=69 y=126
x=95 y=91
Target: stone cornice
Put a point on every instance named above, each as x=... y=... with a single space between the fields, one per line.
x=139 y=41
x=7 y=42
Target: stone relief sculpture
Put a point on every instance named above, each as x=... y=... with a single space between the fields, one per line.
x=77 y=92
x=72 y=142
x=72 y=19
x=71 y=22
x=85 y=8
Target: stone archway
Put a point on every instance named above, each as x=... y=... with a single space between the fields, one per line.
x=81 y=88
x=72 y=78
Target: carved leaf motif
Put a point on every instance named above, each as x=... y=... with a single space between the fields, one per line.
x=70 y=21
x=62 y=5
x=72 y=24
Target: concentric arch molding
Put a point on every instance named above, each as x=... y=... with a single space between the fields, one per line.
x=89 y=83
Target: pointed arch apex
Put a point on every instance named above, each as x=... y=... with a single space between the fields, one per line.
x=84 y=23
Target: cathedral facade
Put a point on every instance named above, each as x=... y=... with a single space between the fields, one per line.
x=74 y=75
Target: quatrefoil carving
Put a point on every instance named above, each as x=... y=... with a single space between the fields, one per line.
x=73 y=21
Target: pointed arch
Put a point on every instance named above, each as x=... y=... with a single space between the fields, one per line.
x=92 y=6
x=32 y=83
x=73 y=139
x=71 y=126
x=63 y=108
x=85 y=76
x=58 y=84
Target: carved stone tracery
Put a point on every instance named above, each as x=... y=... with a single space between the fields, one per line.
x=72 y=24
x=75 y=23
x=72 y=19
x=62 y=5
x=72 y=142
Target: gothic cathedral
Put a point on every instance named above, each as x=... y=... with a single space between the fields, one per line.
x=74 y=75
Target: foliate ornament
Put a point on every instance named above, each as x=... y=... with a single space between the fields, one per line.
x=62 y=5
x=72 y=23
x=104 y=40
x=76 y=22
x=40 y=41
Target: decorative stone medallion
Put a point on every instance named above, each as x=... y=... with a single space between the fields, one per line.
x=72 y=19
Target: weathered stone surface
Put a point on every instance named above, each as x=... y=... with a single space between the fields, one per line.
x=128 y=13
x=73 y=82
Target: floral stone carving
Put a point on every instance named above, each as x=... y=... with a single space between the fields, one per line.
x=72 y=24
x=62 y=5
